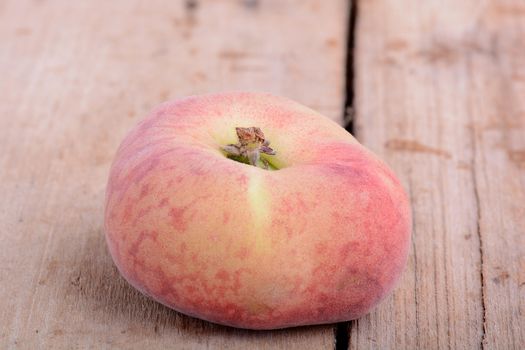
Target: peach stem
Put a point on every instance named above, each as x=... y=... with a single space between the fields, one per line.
x=249 y=148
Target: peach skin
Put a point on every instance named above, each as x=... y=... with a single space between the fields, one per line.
x=253 y=211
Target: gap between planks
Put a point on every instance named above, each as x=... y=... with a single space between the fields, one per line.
x=342 y=329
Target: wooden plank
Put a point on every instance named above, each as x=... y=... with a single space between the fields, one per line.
x=439 y=95
x=75 y=76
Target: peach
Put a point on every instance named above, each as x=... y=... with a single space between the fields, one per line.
x=320 y=236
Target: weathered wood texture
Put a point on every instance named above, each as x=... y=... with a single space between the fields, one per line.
x=74 y=77
x=440 y=95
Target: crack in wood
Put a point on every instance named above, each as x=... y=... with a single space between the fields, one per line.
x=416 y=280
x=343 y=329
x=478 y=231
x=349 y=109
x=342 y=336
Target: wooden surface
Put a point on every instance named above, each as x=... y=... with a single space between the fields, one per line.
x=74 y=77
x=440 y=95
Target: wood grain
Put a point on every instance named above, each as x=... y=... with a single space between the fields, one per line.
x=440 y=92
x=74 y=77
